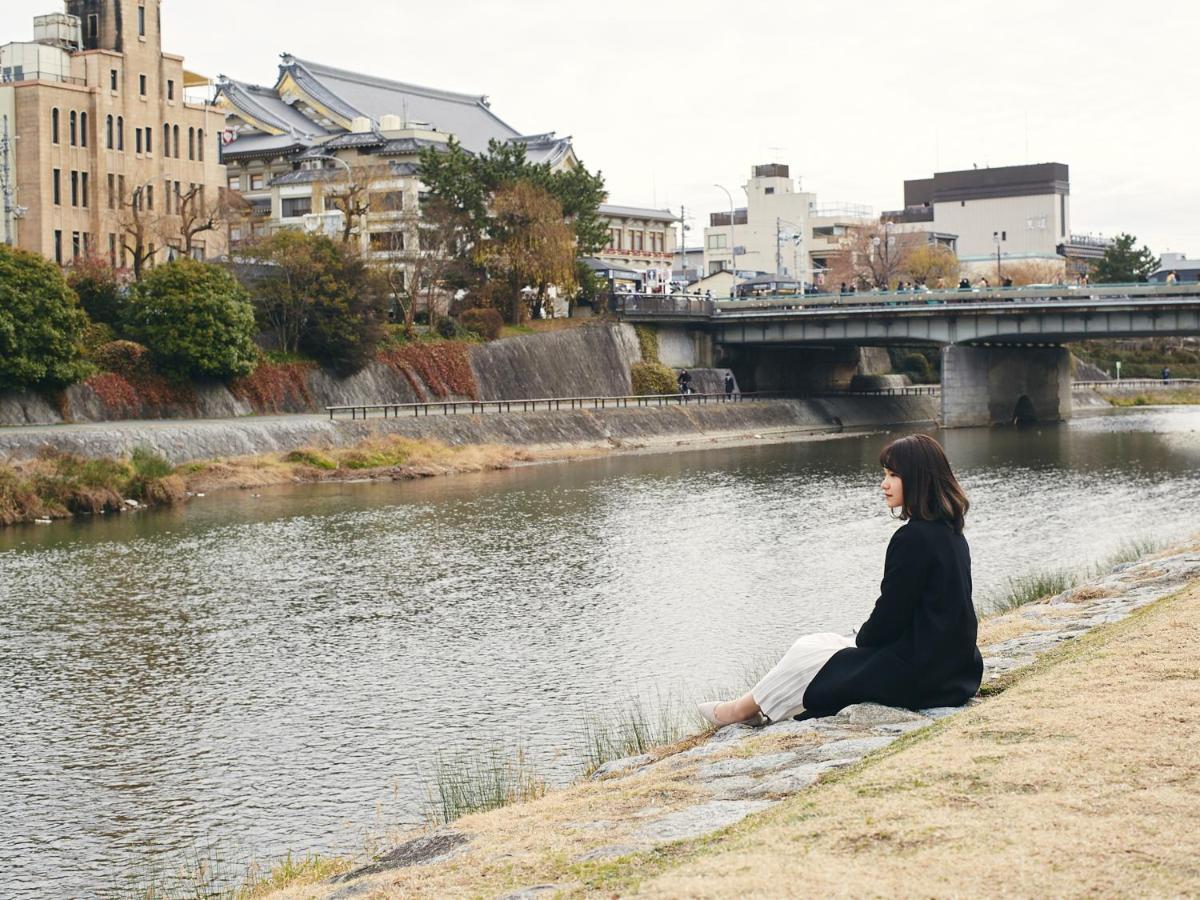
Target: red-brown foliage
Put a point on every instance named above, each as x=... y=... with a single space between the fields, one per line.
x=119 y=397
x=275 y=387
x=444 y=368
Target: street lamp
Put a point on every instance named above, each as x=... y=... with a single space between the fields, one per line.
x=349 y=181
x=999 y=236
x=798 y=238
x=732 y=241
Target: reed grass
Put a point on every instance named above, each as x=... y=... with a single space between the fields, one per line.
x=465 y=783
x=1041 y=585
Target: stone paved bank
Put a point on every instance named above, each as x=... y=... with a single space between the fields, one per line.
x=645 y=802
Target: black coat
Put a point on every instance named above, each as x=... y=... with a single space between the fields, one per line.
x=917 y=650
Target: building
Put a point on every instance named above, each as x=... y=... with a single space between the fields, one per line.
x=101 y=151
x=1185 y=269
x=688 y=265
x=298 y=152
x=1021 y=213
x=781 y=230
x=639 y=238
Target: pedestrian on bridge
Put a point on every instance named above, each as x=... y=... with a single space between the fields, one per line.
x=729 y=384
x=918 y=647
x=1166 y=374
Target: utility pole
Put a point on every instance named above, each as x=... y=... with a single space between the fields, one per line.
x=778 y=247
x=6 y=181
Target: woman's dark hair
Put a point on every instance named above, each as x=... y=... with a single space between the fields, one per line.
x=931 y=492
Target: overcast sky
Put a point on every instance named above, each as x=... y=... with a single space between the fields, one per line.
x=668 y=97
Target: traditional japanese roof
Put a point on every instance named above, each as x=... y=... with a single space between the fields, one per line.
x=637 y=212
x=314 y=106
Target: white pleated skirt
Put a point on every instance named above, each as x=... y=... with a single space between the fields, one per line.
x=780 y=693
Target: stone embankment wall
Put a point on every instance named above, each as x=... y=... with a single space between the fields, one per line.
x=590 y=361
x=631 y=428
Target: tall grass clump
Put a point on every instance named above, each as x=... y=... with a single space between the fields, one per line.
x=1038 y=586
x=633 y=731
x=465 y=783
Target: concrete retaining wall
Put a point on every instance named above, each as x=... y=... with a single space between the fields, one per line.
x=186 y=441
x=590 y=361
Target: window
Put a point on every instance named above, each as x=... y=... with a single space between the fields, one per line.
x=296 y=206
x=191 y=143
x=769 y=190
x=167 y=195
x=74 y=132
x=638 y=240
x=74 y=188
x=717 y=242
x=257 y=181
x=112 y=79
x=58 y=247
x=387 y=241
x=93 y=26
x=235 y=182
x=170 y=88
x=387 y=201
x=121 y=133
x=87 y=243
x=83 y=129
x=54 y=126
x=198 y=252
x=138 y=139
x=108 y=132
x=142 y=85
x=141 y=21
x=175 y=135
x=112 y=191
x=76 y=245
x=56 y=187
x=83 y=188
x=112 y=250
x=614 y=238
x=149 y=196
x=200 y=143
x=1062 y=221
x=120 y=191
x=166 y=144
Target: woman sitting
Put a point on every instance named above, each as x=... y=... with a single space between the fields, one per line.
x=917 y=649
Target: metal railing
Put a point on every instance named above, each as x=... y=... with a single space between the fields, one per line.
x=682 y=305
x=554 y=404
x=1137 y=383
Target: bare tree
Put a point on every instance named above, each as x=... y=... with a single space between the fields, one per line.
x=199 y=213
x=872 y=256
x=350 y=193
x=139 y=225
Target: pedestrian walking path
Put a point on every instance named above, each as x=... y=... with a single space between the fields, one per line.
x=1075 y=774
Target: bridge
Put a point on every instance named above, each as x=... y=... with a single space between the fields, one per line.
x=1002 y=348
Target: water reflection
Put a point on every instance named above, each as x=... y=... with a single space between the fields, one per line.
x=279 y=670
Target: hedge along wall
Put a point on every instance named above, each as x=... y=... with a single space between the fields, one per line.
x=589 y=361
x=593 y=361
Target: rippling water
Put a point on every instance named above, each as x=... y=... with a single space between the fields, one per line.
x=279 y=672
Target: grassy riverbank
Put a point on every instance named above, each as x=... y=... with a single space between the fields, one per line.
x=1176 y=397
x=57 y=485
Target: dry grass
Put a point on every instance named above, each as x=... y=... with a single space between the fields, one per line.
x=392 y=458
x=1178 y=397
x=1081 y=779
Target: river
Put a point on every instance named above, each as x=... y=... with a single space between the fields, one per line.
x=278 y=672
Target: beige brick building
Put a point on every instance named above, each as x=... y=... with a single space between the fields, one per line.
x=104 y=153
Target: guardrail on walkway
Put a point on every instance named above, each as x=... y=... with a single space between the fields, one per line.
x=1138 y=383
x=552 y=404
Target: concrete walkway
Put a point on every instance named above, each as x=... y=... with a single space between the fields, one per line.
x=1081 y=778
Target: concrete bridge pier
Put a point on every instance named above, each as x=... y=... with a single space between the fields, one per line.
x=1003 y=385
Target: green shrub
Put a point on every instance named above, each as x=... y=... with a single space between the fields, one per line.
x=449 y=329
x=484 y=321
x=917 y=367
x=150 y=463
x=98 y=288
x=41 y=323
x=648 y=342
x=195 y=319
x=653 y=378
x=314 y=458
x=125 y=358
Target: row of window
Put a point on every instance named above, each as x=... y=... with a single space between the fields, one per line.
x=77 y=127
x=79 y=188
x=637 y=241
x=143 y=196
x=81 y=247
